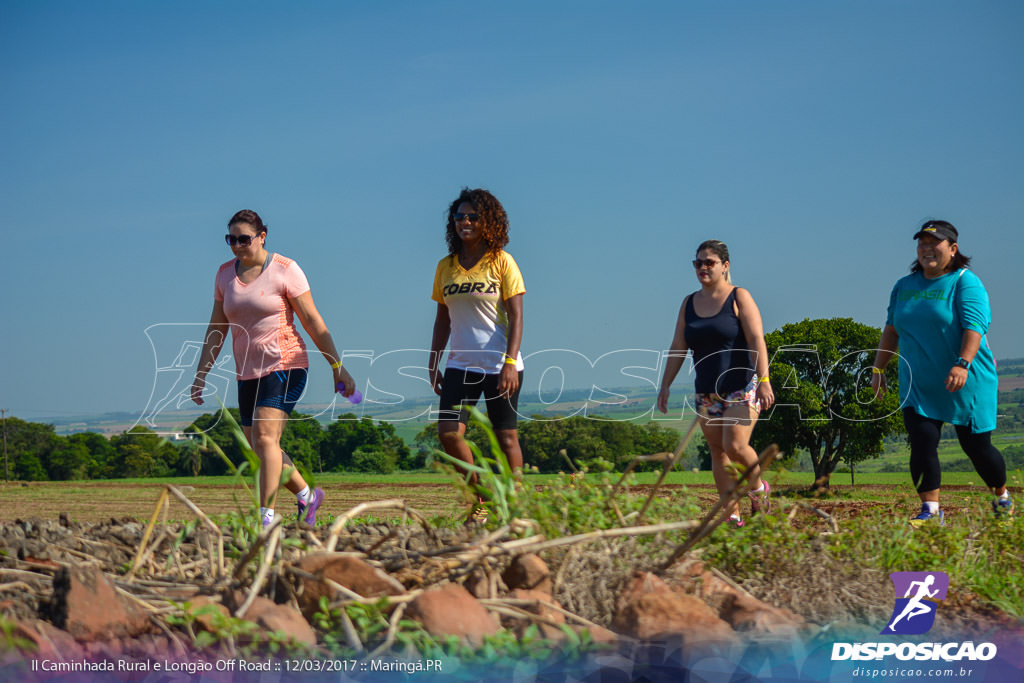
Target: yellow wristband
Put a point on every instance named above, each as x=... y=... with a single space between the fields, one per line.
x=877 y=371
x=336 y=365
x=509 y=360
x=764 y=379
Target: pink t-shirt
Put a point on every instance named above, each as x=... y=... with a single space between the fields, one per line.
x=263 y=332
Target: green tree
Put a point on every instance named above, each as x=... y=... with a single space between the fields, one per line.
x=100 y=452
x=347 y=434
x=140 y=452
x=28 y=446
x=69 y=459
x=301 y=441
x=821 y=377
x=594 y=443
x=221 y=433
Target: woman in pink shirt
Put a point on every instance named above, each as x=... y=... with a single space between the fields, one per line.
x=255 y=296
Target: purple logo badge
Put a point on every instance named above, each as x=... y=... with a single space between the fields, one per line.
x=917 y=595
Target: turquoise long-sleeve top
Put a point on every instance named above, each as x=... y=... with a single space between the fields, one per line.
x=930 y=317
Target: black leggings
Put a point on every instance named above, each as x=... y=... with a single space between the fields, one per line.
x=924 y=452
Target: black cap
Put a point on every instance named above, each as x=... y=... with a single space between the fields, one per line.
x=938 y=229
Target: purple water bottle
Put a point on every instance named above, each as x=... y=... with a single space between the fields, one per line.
x=356 y=397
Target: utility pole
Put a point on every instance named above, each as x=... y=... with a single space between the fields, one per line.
x=3 y=414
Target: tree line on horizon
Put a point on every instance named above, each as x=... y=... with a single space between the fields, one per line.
x=824 y=409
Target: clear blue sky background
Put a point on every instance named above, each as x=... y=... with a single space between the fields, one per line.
x=812 y=137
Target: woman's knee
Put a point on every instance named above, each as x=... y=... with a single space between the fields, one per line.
x=263 y=439
x=507 y=439
x=449 y=437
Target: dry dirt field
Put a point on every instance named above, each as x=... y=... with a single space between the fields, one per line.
x=92 y=502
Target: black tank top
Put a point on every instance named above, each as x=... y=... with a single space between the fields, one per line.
x=721 y=354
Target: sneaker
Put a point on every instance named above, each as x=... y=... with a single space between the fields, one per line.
x=307 y=513
x=478 y=514
x=735 y=521
x=924 y=516
x=1002 y=508
x=759 y=502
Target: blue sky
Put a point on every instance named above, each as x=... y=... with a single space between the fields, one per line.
x=811 y=137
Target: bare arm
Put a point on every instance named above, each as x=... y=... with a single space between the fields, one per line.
x=753 y=329
x=314 y=325
x=509 y=380
x=887 y=347
x=216 y=333
x=442 y=330
x=676 y=356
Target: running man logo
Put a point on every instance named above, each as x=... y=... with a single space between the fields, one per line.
x=914 y=613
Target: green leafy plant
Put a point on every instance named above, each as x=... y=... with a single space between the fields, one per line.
x=496 y=481
x=11 y=641
x=252 y=463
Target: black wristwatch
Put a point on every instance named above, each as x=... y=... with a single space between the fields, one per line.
x=963 y=363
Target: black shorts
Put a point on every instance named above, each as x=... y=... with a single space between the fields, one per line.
x=464 y=387
x=280 y=389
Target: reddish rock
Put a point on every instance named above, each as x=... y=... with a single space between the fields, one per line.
x=478 y=585
x=649 y=609
x=451 y=610
x=740 y=609
x=40 y=647
x=60 y=641
x=269 y=615
x=273 y=617
x=599 y=634
x=350 y=572
x=204 y=609
x=528 y=572
x=547 y=631
x=747 y=613
x=86 y=605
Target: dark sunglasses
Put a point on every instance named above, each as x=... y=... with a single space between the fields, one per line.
x=471 y=217
x=241 y=240
x=707 y=263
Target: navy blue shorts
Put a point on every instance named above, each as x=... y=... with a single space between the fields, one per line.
x=464 y=386
x=280 y=389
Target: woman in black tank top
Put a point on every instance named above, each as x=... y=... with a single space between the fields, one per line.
x=721 y=325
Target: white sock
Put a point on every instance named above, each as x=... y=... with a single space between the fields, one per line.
x=1005 y=495
x=304 y=495
x=734 y=515
x=758 y=490
x=267 y=515
x=933 y=506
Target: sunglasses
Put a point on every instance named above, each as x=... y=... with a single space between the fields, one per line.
x=707 y=263
x=471 y=217
x=241 y=240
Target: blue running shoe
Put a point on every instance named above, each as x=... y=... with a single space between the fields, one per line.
x=307 y=513
x=924 y=517
x=1003 y=509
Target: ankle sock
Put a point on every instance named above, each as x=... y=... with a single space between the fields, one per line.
x=304 y=495
x=267 y=515
x=932 y=506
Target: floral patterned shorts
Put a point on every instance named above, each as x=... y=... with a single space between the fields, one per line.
x=713 y=405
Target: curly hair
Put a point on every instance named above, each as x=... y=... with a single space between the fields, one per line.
x=493 y=221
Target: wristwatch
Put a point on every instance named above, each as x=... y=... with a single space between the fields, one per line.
x=963 y=363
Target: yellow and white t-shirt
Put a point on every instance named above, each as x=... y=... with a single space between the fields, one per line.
x=476 y=305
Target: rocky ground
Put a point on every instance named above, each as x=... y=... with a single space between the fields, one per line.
x=111 y=590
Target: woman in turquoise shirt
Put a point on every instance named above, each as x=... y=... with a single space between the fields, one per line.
x=938 y=316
